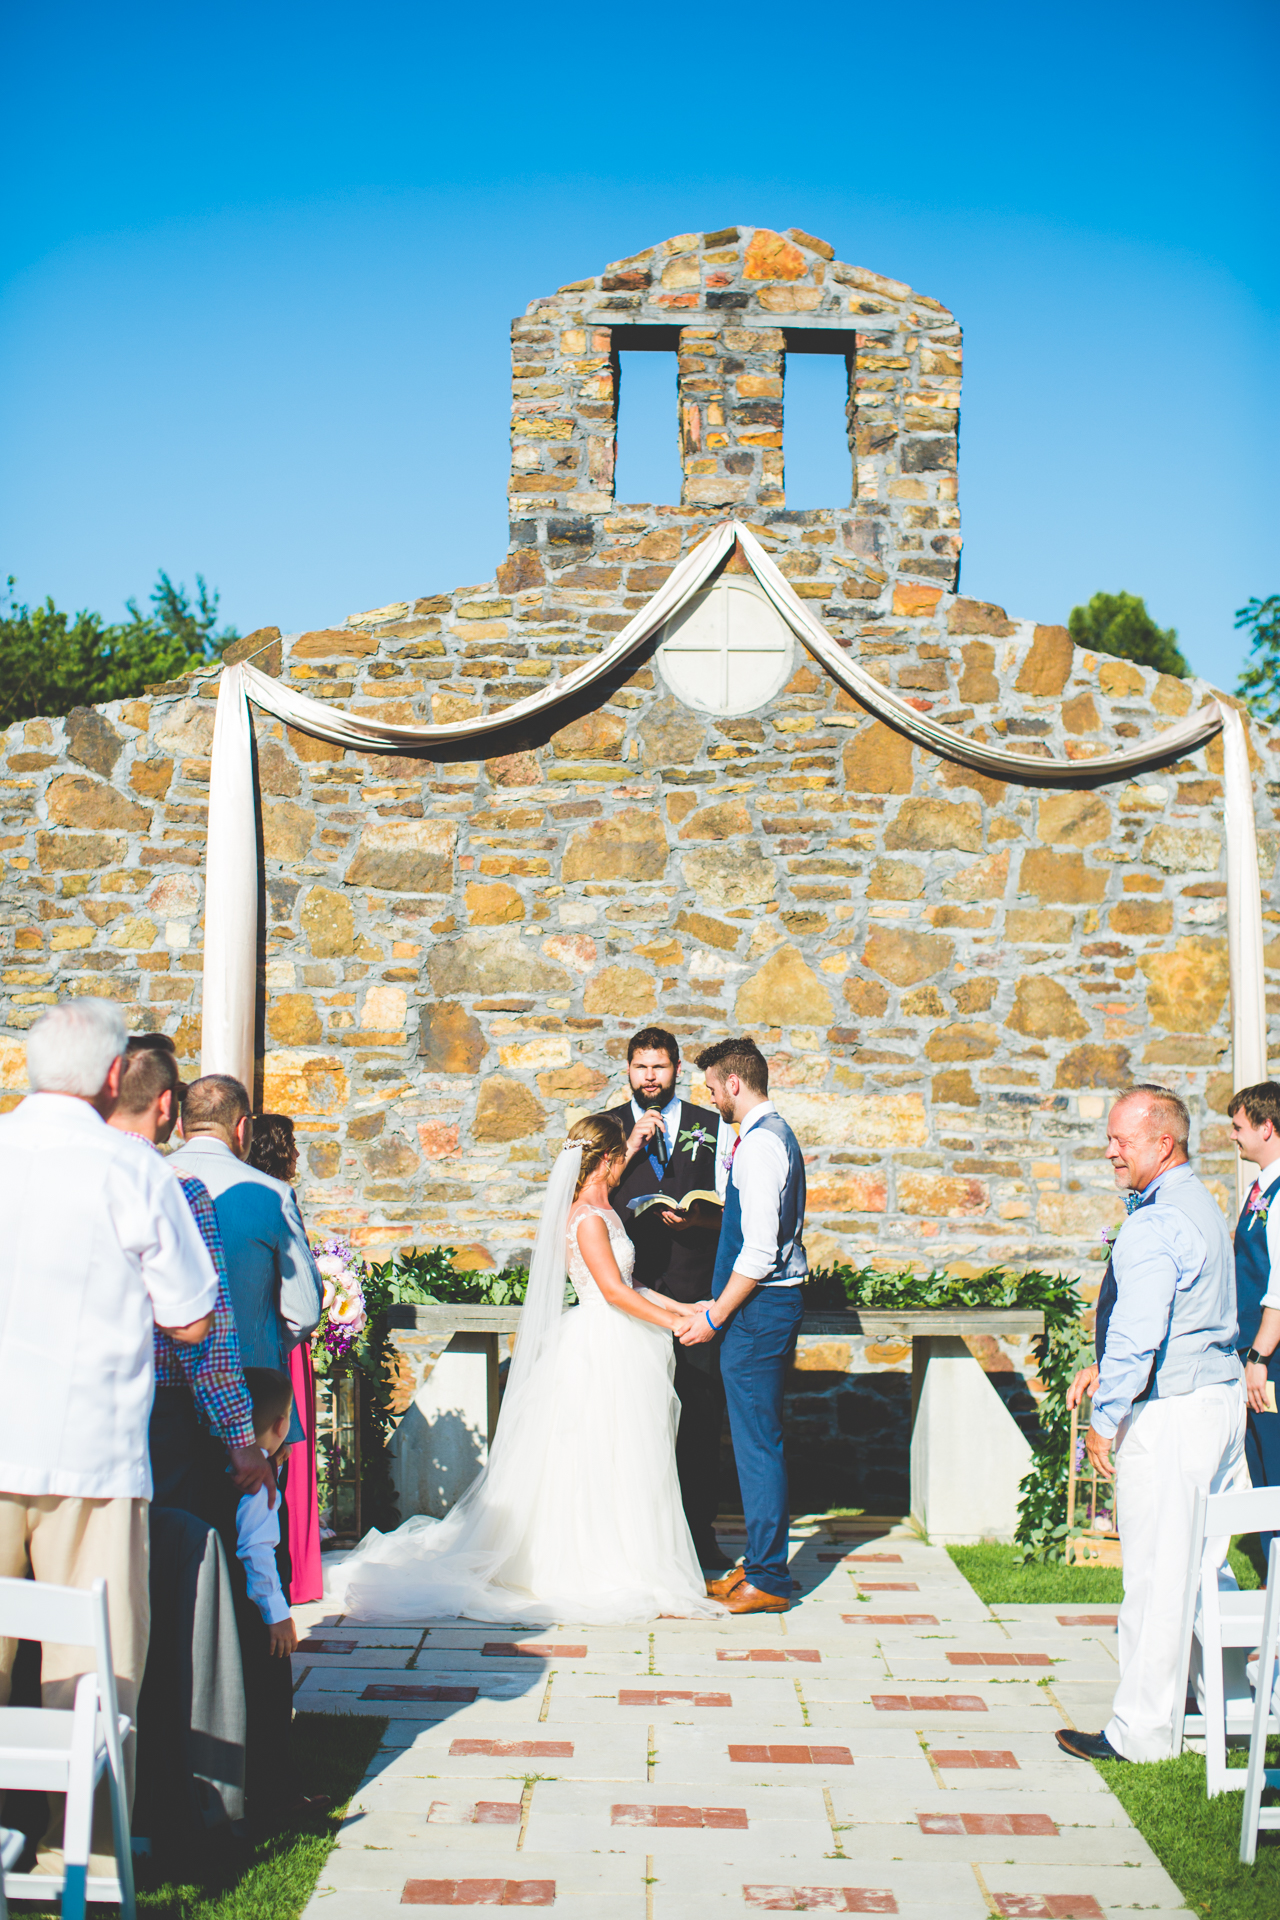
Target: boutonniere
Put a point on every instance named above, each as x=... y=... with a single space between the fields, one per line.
x=1258 y=1207
x=1109 y=1242
x=695 y=1138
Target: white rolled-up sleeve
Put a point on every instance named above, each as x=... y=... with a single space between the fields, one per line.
x=257 y=1537
x=1271 y=1298
x=759 y=1173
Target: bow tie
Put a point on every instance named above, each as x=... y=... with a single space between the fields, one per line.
x=1132 y=1201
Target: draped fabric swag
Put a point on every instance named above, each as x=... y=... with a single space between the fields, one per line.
x=231 y=898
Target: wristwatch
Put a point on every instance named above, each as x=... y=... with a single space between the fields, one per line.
x=1255 y=1359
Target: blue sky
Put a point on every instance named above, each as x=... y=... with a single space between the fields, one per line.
x=259 y=263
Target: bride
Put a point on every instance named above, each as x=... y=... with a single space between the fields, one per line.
x=577 y=1516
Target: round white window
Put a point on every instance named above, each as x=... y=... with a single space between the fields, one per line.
x=729 y=650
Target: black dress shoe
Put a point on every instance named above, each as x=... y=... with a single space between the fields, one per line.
x=1086 y=1746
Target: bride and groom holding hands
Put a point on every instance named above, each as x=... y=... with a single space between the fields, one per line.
x=598 y=1501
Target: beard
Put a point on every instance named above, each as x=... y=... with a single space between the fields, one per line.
x=646 y=1100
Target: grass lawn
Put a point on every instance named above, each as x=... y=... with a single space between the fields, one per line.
x=272 y=1878
x=999 y=1579
x=1198 y=1839
x=996 y=1576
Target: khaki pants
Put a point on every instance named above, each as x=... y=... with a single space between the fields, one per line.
x=71 y=1543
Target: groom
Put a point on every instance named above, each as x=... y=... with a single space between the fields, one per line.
x=672 y=1147
x=755 y=1312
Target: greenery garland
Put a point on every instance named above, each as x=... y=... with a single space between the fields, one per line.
x=428 y=1277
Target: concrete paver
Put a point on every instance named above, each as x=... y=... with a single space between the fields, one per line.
x=885 y=1747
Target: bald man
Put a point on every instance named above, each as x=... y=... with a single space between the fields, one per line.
x=1168 y=1393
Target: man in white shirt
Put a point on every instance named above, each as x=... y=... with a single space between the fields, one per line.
x=1168 y=1395
x=98 y=1249
x=1255 y=1125
x=756 y=1310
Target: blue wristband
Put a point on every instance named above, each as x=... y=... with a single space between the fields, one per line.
x=710 y=1322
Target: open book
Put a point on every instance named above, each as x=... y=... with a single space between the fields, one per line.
x=699 y=1197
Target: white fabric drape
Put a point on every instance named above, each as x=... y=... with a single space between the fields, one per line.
x=228 y=993
x=1244 y=922
x=231 y=903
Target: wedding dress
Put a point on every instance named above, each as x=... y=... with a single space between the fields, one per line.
x=577 y=1516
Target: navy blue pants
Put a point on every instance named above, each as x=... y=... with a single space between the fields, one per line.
x=756 y=1350
x=1262 y=1445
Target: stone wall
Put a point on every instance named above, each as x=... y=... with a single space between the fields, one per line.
x=949 y=973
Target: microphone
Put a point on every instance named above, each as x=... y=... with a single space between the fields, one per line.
x=658 y=1141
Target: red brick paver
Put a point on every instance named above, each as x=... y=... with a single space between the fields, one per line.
x=671 y=1697
x=640 y=1816
x=482 y=1813
x=890 y=1619
x=794 y=1756
x=889 y=1586
x=514 y=1650
x=999 y=1659
x=513 y=1749
x=1087 y=1619
x=972 y=1757
x=1023 y=1823
x=928 y=1703
x=381 y=1690
x=1048 y=1906
x=478 y=1893
x=820 y=1899
x=768 y=1653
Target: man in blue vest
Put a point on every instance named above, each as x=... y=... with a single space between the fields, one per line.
x=755 y=1312
x=1255 y=1126
x=1167 y=1389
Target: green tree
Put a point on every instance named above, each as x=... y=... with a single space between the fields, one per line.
x=1119 y=624
x=1259 y=684
x=51 y=661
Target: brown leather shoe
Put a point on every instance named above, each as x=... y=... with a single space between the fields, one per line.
x=748 y=1599
x=720 y=1589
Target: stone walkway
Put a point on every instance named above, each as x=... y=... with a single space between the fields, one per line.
x=885 y=1747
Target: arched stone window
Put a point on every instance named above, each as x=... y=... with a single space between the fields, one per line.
x=729 y=650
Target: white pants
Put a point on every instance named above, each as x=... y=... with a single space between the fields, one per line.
x=1165 y=1452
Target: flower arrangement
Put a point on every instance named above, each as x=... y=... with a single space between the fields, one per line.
x=344 y=1315
x=1257 y=1205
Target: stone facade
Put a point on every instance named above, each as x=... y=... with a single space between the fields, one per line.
x=948 y=972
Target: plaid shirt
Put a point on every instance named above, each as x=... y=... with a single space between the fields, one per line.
x=212 y=1370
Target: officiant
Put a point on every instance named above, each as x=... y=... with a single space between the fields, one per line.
x=672 y=1150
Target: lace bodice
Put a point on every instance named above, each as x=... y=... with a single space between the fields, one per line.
x=623 y=1252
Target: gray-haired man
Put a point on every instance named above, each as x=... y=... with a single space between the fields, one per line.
x=1168 y=1390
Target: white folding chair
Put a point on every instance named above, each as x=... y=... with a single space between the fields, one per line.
x=1225 y=1624
x=1260 y=1775
x=11 y=1845
x=45 y=1749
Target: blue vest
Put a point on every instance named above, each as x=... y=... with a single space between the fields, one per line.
x=790 y=1263
x=1108 y=1294
x=1253 y=1271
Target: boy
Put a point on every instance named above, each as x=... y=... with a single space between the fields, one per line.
x=267 y=1634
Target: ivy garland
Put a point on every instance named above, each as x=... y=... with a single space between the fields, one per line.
x=430 y=1277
